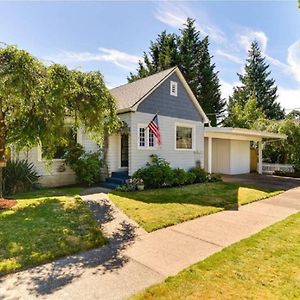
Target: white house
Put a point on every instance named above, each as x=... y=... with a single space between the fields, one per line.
x=186 y=137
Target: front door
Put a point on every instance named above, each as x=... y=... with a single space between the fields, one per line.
x=124 y=150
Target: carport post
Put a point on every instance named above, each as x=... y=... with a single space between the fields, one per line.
x=259 y=157
x=209 y=155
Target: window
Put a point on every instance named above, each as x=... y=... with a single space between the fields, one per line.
x=184 y=137
x=151 y=139
x=142 y=137
x=70 y=139
x=146 y=138
x=173 y=88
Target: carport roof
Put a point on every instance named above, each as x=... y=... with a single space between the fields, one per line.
x=240 y=134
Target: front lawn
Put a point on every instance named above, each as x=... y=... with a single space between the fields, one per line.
x=155 y=209
x=264 y=266
x=45 y=225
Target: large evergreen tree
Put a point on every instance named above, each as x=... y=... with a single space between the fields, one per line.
x=256 y=81
x=189 y=47
x=162 y=54
x=208 y=89
x=191 y=55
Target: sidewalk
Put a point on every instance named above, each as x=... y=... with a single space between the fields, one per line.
x=134 y=259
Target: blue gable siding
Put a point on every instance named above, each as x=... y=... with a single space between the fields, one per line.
x=180 y=106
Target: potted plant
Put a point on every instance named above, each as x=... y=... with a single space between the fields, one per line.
x=139 y=184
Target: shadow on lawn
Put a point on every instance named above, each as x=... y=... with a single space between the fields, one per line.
x=220 y=195
x=45 y=279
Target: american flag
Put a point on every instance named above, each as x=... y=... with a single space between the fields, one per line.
x=153 y=126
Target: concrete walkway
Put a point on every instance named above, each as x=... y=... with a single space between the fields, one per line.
x=134 y=259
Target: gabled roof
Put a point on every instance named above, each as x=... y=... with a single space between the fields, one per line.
x=130 y=95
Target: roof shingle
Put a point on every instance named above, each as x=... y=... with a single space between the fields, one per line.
x=129 y=94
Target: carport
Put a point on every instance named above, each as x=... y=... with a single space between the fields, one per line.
x=227 y=150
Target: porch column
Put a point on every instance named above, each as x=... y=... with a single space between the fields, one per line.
x=259 y=157
x=209 y=155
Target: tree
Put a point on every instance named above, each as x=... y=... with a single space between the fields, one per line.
x=294 y=115
x=191 y=55
x=282 y=151
x=189 y=47
x=36 y=101
x=245 y=117
x=208 y=89
x=162 y=54
x=256 y=82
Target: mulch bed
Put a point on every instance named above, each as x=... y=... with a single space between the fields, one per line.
x=7 y=203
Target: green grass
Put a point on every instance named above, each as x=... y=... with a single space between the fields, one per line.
x=155 y=209
x=264 y=266
x=45 y=225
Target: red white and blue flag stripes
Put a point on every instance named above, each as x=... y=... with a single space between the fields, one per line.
x=154 y=127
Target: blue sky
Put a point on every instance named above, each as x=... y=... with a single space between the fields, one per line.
x=111 y=36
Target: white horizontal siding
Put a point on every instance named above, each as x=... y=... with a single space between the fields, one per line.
x=49 y=173
x=177 y=158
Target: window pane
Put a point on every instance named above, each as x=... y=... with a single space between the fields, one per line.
x=151 y=138
x=184 y=138
x=142 y=137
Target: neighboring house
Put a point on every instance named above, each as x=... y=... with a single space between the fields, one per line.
x=185 y=139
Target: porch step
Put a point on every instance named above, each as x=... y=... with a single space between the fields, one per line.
x=120 y=174
x=116 y=179
x=110 y=186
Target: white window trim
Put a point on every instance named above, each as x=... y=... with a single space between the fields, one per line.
x=176 y=88
x=193 y=136
x=146 y=147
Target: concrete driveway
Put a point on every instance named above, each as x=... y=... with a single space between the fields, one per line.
x=264 y=181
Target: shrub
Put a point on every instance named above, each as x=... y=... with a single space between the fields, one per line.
x=131 y=185
x=128 y=187
x=180 y=177
x=190 y=178
x=200 y=174
x=155 y=174
x=214 y=177
x=19 y=176
x=86 y=165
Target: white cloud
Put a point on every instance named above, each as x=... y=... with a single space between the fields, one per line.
x=175 y=15
x=293 y=65
x=231 y=57
x=249 y=36
x=116 y=57
x=293 y=60
x=172 y=14
x=226 y=88
x=289 y=98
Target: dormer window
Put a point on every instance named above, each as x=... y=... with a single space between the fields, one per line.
x=173 y=88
